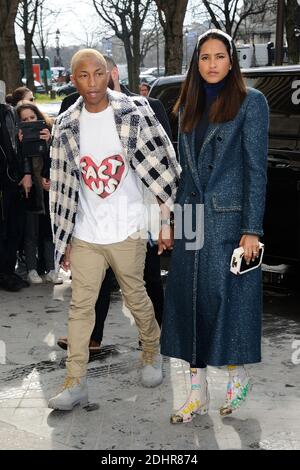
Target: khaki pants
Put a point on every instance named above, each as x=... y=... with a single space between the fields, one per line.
x=89 y=262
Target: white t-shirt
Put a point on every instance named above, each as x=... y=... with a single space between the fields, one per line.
x=110 y=206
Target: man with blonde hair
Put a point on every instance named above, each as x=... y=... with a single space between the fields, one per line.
x=109 y=150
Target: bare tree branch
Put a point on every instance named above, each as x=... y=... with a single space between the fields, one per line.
x=27 y=20
x=229 y=15
x=212 y=14
x=126 y=19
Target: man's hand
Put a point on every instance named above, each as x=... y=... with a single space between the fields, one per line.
x=65 y=264
x=165 y=239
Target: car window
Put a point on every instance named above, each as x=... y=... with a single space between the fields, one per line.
x=283 y=95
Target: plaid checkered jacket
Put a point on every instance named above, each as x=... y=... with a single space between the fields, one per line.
x=146 y=146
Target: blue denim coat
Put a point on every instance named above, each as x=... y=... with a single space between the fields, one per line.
x=212 y=315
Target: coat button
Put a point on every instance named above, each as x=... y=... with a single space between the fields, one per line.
x=210 y=166
x=219 y=138
x=193 y=193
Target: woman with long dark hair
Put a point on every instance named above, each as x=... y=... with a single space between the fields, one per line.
x=213 y=317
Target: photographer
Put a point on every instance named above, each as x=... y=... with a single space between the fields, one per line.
x=35 y=145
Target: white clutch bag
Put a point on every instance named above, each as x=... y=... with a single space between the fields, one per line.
x=238 y=264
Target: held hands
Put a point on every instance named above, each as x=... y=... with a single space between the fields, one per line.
x=165 y=239
x=250 y=243
x=66 y=264
x=166 y=234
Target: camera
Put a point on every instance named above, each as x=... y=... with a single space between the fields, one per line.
x=31 y=130
x=32 y=144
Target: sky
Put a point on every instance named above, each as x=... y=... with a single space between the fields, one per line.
x=77 y=21
x=75 y=18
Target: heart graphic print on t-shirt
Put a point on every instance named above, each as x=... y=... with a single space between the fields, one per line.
x=104 y=179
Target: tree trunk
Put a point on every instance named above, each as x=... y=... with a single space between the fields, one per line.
x=290 y=23
x=132 y=53
x=172 y=24
x=173 y=48
x=10 y=69
x=28 y=46
x=136 y=59
x=130 y=65
x=28 y=61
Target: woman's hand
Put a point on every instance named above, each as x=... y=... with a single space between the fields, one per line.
x=46 y=184
x=45 y=134
x=20 y=135
x=26 y=182
x=65 y=264
x=250 y=243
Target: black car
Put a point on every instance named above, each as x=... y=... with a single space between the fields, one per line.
x=281 y=87
x=66 y=89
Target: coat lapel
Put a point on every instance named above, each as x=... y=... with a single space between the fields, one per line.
x=211 y=131
x=189 y=149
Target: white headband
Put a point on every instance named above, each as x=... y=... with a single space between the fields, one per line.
x=220 y=33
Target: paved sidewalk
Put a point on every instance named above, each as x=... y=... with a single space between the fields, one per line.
x=122 y=414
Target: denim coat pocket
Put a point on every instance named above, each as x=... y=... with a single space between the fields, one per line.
x=223 y=204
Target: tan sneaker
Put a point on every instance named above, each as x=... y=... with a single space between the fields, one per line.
x=74 y=392
x=152 y=375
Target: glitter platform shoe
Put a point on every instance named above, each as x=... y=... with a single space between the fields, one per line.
x=190 y=409
x=237 y=392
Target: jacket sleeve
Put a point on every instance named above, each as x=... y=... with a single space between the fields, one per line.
x=68 y=101
x=161 y=115
x=255 y=154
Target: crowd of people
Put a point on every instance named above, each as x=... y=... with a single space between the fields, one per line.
x=26 y=235
x=109 y=159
